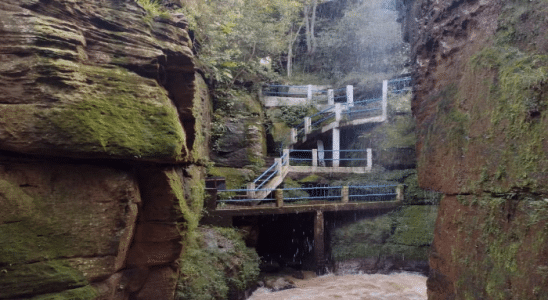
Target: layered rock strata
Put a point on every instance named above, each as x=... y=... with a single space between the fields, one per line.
x=103 y=135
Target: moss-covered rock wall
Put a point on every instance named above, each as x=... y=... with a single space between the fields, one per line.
x=480 y=107
x=104 y=142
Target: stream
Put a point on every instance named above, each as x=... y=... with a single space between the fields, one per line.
x=396 y=286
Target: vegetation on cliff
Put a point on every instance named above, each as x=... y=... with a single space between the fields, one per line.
x=216 y=266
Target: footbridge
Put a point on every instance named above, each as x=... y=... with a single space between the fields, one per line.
x=337 y=109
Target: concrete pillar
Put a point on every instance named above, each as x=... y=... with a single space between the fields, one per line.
x=314 y=157
x=321 y=153
x=307 y=125
x=330 y=97
x=251 y=190
x=338 y=112
x=344 y=194
x=309 y=94
x=279 y=195
x=319 y=243
x=336 y=146
x=293 y=136
x=384 y=99
x=400 y=189
x=369 y=158
x=350 y=96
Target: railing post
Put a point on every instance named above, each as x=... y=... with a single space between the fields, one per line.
x=338 y=112
x=309 y=94
x=369 y=159
x=350 y=95
x=384 y=98
x=399 y=192
x=307 y=125
x=279 y=197
x=293 y=136
x=286 y=154
x=251 y=190
x=344 y=194
x=330 y=97
x=314 y=157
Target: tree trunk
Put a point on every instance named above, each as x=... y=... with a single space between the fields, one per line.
x=292 y=40
x=312 y=25
x=307 y=20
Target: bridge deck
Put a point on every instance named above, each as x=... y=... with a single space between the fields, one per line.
x=304 y=208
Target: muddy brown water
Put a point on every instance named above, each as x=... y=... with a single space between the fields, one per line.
x=397 y=286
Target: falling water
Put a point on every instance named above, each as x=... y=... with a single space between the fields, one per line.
x=397 y=286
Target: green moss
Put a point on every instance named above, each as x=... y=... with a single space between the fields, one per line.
x=312 y=178
x=189 y=208
x=398 y=133
x=235 y=178
x=503 y=252
x=201 y=111
x=83 y=293
x=406 y=234
x=113 y=111
x=414 y=225
x=37 y=231
x=40 y=278
x=290 y=183
x=220 y=265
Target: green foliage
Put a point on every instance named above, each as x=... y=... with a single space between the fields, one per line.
x=154 y=8
x=219 y=265
x=232 y=36
x=405 y=233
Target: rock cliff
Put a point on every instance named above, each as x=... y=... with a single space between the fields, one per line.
x=480 y=106
x=103 y=139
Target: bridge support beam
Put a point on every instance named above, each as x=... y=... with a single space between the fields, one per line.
x=336 y=146
x=319 y=243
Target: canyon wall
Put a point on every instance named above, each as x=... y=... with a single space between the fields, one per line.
x=480 y=103
x=103 y=142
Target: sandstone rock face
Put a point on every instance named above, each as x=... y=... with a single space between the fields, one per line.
x=89 y=78
x=62 y=225
x=103 y=137
x=480 y=105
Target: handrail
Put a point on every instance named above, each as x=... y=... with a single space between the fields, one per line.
x=375 y=191
x=265 y=172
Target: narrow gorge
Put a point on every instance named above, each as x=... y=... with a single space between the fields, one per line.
x=115 y=113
